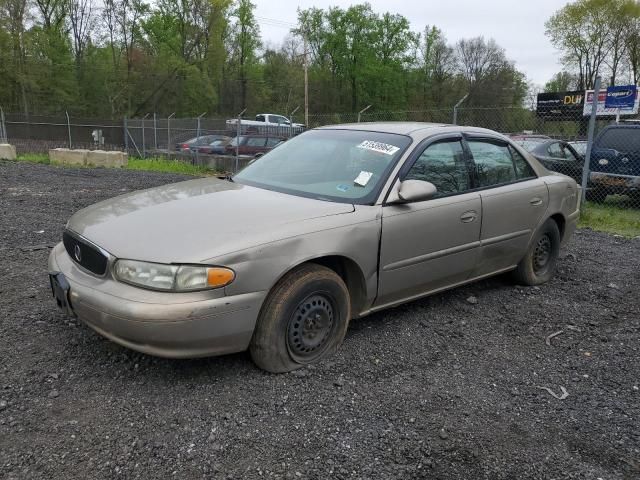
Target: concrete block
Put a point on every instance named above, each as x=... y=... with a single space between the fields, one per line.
x=118 y=159
x=102 y=158
x=98 y=158
x=56 y=155
x=7 y=152
x=65 y=156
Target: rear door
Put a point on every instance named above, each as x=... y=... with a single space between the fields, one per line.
x=254 y=145
x=513 y=198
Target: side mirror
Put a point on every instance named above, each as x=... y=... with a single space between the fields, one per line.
x=413 y=191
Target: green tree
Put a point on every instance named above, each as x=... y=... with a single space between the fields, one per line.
x=244 y=45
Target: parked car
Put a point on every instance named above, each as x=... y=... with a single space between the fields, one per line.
x=615 y=162
x=192 y=144
x=217 y=147
x=334 y=224
x=556 y=155
x=252 y=144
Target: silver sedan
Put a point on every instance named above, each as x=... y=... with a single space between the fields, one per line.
x=332 y=225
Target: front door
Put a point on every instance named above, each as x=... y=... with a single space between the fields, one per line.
x=431 y=244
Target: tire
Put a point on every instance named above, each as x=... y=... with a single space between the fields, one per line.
x=303 y=320
x=539 y=263
x=596 y=195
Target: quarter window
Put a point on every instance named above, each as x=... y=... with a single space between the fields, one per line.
x=444 y=165
x=523 y=169
x=493 y=161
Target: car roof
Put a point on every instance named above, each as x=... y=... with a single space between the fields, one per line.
x=412 y=129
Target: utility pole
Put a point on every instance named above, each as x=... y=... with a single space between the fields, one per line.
x=306 y=82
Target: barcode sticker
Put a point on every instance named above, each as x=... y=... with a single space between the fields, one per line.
x=379 y=147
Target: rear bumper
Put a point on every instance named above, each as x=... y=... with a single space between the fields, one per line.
x=163 y=324
x=615 y=182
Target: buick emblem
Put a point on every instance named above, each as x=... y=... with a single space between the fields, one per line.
x=625 y=160
x=77 y=253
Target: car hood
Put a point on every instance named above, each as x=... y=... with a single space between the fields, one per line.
x=195 y=220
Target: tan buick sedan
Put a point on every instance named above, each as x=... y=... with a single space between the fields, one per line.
x=332 y=225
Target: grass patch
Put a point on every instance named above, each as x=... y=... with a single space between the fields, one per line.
x=611 y=219
x=34 y=158
x=167 y=166
x=149 y=164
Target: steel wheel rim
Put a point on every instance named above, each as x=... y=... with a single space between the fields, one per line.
x=542 y=254
x=310 y=327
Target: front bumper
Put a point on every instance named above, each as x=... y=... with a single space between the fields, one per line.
x=615 y=182
x=174 y=325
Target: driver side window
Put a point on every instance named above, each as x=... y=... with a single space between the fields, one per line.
x=444 y=165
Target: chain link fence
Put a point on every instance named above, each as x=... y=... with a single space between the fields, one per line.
x=559 y=141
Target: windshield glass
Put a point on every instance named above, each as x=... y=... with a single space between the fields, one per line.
x=347 y=166
x=622 y=139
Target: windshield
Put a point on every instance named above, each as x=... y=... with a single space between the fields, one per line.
x=622 y=139
x=347 y=166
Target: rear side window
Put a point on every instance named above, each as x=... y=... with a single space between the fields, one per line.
x=493 y=161
x=273 y=141
x=623 y=139
x=260 y=118
x=444 y=165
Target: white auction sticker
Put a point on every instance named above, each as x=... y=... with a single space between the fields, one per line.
x=379 y=147
x=363 y=178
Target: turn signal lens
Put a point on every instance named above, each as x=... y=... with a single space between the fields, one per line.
x=219 y=277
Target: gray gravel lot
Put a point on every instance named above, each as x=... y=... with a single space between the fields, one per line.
x=440 y=388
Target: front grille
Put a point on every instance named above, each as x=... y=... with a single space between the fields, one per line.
x=90 y=257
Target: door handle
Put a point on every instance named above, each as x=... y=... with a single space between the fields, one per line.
x=536 y=202
x=468 y=217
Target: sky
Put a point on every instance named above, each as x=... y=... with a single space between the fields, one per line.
x=517 y=25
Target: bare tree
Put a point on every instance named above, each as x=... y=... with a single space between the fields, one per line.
x=81 y=21
x=53 y=13
x=477 y=58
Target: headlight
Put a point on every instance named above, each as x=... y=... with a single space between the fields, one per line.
x=174 y=278
x=603 y=161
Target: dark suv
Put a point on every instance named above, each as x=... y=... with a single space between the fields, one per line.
x=615 y=162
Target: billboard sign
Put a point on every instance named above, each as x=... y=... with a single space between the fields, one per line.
x=560 y=105
x=625 y=107
x=623 y=97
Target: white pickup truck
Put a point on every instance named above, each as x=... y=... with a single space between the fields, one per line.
x=267 y=123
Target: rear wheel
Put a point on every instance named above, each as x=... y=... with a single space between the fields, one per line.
x=304 y=319
x=539 y=263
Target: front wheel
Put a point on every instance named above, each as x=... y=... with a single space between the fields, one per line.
x=539 y=263
x=303 y=320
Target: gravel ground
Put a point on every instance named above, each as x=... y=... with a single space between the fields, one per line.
x=446 y=387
